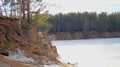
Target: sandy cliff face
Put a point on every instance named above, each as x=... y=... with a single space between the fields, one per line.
x=26 y=39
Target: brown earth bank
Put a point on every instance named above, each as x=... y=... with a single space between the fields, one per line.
x=24 y=37
x=81 y=35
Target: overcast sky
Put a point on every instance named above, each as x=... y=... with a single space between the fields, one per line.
x=65 y=6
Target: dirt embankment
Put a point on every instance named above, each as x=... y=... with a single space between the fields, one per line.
x=34 y=44
x=81 y=35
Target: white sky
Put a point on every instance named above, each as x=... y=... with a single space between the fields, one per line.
x=66 y=6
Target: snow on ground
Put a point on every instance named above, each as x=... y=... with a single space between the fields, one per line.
x=19 y=56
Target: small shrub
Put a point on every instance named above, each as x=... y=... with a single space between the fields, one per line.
x=4 y=47
x=36 y=52
x=5 y=25
x=26 y=26
x=0 y=32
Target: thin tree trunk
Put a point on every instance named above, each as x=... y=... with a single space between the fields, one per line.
x=1 y=12
x=28 y=11
x=23 y=9
x=11 y=8
x=4 y=7
x=20 y=14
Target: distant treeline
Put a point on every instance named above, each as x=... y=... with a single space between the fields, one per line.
x=85 y=22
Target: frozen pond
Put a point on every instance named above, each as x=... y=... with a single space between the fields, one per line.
x=90 y=52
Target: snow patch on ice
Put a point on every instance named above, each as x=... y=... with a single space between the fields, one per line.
x=19 y=56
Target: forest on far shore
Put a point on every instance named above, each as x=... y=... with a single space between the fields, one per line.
x=85 y=22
